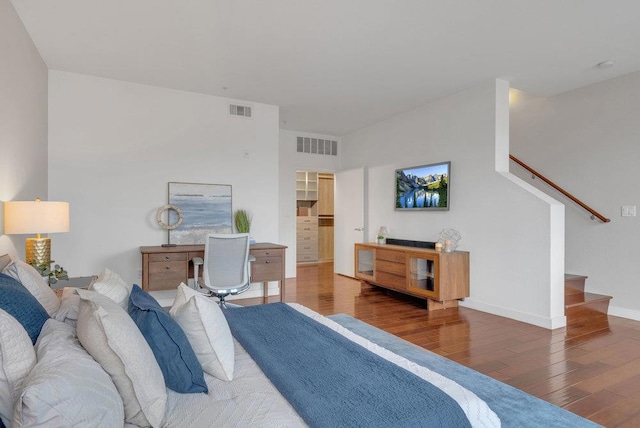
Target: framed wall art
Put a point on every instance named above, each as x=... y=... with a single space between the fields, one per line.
x=424 y=187
x=205 y=208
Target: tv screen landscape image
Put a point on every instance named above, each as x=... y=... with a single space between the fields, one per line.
x=424 y=187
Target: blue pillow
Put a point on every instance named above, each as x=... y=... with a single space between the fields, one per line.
x=16 y=300
x=177 y=360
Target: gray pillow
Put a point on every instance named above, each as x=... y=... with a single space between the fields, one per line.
x=109 y=334
x=5 y=259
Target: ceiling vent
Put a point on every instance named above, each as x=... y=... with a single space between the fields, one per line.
x=238 y=110
x=317 y=146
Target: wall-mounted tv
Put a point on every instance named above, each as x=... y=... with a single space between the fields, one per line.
x=424 y=187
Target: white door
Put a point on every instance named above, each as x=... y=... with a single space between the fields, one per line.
x=348 y=218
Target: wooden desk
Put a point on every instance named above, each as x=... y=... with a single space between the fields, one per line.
x=164 y=268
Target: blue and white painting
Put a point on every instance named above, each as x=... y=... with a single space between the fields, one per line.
x=206 y=208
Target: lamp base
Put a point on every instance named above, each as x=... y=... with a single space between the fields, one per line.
x=38 y=251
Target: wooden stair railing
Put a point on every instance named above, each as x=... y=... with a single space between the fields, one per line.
x=594 y=213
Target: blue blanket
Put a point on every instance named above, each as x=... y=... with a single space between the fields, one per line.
x=333 y=382
x=514 y=407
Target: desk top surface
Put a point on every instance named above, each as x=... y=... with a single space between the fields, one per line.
x=200 y=247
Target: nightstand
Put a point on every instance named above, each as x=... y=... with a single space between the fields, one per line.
x=77 y=282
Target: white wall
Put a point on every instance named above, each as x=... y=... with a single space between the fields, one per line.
x=114 y=146
x=587 y=141
x=23 y=118
x=511 y=234
x=290 y=161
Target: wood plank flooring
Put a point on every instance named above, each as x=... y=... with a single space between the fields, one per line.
x=589 y=368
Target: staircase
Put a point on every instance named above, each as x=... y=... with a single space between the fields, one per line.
x=580 y=306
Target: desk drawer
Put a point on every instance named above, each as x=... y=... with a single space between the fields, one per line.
x=266 y=253
x=266 y=269
x=167 y=257
x=167 y=275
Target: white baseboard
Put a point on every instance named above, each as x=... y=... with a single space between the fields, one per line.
x=548 y=323
x=624 y=313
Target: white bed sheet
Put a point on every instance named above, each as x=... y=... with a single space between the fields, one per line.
x=250 y=400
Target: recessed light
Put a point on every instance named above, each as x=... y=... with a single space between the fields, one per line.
x=606 y=64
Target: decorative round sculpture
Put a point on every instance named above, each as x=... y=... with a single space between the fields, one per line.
x=165 y=225
x=450 y=235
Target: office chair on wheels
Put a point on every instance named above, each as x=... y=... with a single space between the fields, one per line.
x=226 y=268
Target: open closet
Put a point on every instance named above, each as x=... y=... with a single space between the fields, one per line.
x=314 y=216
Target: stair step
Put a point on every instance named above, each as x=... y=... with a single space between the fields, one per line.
x=573 y=284
x=584 y=299
x=585 y=305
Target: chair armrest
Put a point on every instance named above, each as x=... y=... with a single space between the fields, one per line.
x=197 y=261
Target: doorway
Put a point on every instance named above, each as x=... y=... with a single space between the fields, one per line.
x=314 y=216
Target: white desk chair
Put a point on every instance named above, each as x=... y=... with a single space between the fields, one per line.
x=226 y=268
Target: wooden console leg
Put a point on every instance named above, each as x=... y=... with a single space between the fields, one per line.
x=434 y=305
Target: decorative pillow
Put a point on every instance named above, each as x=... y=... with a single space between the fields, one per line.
x=109 y=334
x=18 y=302
x=5 y=260
x=28 y=276
x=207 y=330
x=179 y=364
x=17 y=358
x=69 y=306
x=110 y=284
x=66 y=387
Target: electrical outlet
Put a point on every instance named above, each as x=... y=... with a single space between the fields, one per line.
x=139 y=275
x=629 y=211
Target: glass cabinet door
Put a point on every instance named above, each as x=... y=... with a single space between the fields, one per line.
x=422 y=275
x=365 y=263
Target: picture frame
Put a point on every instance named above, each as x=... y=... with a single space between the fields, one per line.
x=423 y=187
x=205 y=208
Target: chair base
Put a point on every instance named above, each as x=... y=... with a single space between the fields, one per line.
x=222 y=294
x=221 y=299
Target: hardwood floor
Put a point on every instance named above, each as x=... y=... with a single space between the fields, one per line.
x=589 y=368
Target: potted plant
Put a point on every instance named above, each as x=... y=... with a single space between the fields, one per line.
x=50 y=275
x=242 y=221
x=381 y=239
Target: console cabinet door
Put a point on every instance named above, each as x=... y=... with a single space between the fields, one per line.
x=365 y=263
x=423 y=275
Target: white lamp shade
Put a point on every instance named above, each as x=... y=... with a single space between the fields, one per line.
x=22 y=217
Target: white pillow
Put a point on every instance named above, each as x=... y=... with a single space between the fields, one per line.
x=110 y=284
x=66 y=387
x=28 y=276
x=109 y=334
x=17 y=358
x=207 y=330
x=69 y=306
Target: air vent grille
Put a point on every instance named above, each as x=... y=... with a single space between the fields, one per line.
x=317 y=146
x=238 y=110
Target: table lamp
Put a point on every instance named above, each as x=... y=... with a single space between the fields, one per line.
x=22 y=217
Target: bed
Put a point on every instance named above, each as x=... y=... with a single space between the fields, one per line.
x=290 y=367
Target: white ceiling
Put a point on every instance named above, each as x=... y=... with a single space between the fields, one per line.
x=334 y=66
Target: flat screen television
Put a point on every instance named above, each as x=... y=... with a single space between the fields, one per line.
x=424 y=187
